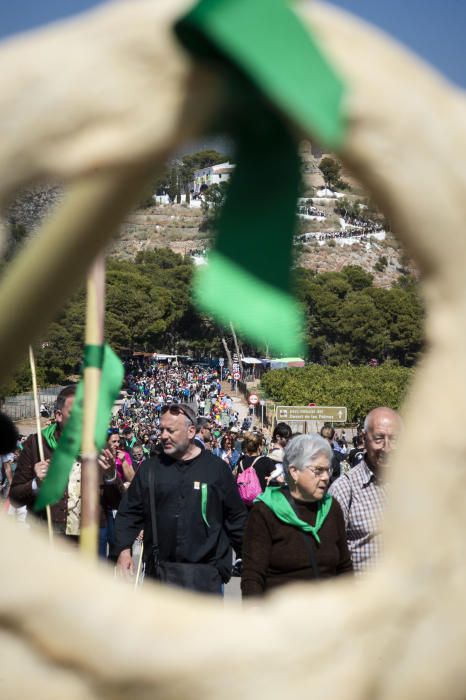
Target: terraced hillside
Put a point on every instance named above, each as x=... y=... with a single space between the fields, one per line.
x=177 y=226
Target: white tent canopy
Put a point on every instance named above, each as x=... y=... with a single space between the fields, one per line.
x=251 y=361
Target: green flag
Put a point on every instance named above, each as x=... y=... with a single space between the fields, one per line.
x=69 y=445
x=276 y=82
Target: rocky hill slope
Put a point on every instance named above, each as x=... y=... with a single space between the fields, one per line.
x=177 y=226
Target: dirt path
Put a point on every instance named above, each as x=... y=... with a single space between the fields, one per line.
x=26 y=426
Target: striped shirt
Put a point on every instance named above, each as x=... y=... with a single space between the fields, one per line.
x=362 y=498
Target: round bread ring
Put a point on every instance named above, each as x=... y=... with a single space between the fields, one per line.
x=399 y=633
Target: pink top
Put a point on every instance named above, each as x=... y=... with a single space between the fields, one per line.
x=119 y=466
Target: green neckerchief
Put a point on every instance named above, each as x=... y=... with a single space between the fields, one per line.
x=50 y=435
x=275 y=499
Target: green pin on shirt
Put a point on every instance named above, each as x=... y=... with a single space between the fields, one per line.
x=204 y=493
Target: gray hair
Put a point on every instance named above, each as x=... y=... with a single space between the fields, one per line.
x=302 y=450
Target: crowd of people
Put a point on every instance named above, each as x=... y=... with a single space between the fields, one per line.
x=366 y=225
x=150 y=386
x=362 y=233
x=311 y=211
x=193 y=488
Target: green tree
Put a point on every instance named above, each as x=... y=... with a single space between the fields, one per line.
x=330 y=169
x=360 y=389
x=357 y=277
x=351 y=321
x=213 y=201
x=177 y=176
x=173 y=183
x=203 y=159
x=381 y=263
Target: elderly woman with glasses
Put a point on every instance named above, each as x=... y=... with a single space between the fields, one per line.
x=296 y=532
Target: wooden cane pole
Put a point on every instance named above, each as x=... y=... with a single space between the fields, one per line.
x=40 y=442
x=89 y=467
x=138 y=572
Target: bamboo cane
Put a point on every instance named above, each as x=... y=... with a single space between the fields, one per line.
x=40 y=443
x=92 y=376
x=138 y=572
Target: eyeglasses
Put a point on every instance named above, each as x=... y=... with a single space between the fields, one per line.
x=113 y=431
x=175 y=409
x=381 y=439
x=319 y=471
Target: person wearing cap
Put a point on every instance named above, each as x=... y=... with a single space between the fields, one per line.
x=129 y=439
x=198 y=511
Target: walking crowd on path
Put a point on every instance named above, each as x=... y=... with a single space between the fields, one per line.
x=184 y=475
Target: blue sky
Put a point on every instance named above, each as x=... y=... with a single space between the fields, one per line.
x=435 y=29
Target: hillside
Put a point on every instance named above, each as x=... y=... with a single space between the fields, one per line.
x=177 y=227
x=324 y=242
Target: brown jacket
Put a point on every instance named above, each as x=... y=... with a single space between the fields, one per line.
x=23 y=494
x=275 y=553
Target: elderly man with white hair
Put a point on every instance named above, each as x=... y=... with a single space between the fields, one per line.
x=362 y=492
x=295 y=532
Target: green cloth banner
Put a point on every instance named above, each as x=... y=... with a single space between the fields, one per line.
x=276 y=83
x=274 y=499
x=69 y=444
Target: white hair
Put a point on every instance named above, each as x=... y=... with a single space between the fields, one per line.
x=302 y=450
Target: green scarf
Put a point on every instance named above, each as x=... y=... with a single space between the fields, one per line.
x=274 y=498
x=50 y=435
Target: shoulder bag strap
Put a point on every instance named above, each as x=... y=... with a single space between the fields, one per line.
x=307 y=541
x=256 y=460
x=240 y=463
x=153 y=518
x=310 y=551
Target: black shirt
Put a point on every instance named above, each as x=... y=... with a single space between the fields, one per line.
x=183 y=534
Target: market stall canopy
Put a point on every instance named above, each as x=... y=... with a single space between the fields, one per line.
x=281 y=362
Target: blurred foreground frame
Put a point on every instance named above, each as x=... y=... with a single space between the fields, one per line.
x=98 y=103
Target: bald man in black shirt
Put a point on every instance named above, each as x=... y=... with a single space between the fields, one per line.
x=199 y=514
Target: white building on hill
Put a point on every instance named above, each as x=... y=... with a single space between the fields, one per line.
x=212 y=175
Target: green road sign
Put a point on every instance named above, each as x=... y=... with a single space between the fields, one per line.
x=331 y=414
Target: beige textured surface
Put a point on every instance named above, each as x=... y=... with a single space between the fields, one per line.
x=107 y=89
x=101 y=113
x=401 y=632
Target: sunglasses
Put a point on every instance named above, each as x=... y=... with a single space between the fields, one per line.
x=175 y=410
